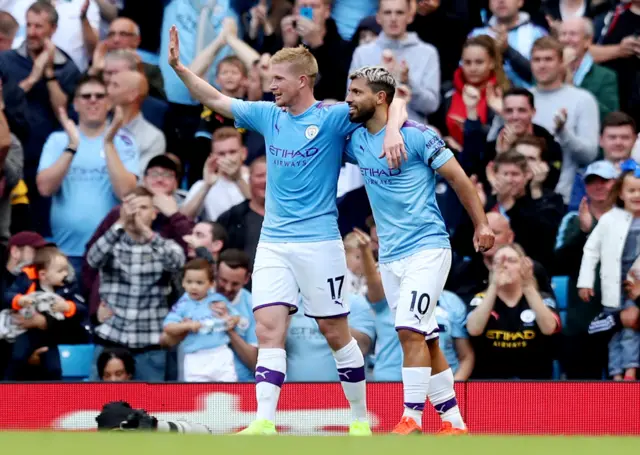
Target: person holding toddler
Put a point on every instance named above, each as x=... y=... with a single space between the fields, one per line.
x=198 y=313
x=43 y=288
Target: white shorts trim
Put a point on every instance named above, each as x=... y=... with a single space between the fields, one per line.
x=311 y=274
x=413 y=286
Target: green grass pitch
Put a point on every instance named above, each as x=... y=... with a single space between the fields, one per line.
x=160 y=444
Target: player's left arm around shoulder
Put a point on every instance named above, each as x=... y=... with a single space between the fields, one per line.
x=462 y=185
x=393 y=146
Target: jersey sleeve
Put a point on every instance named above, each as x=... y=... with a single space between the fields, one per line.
x=253 y=115
x=434 y=151
x=176 y=314
x=128 y=152
x=362 y=317
x=338 y=119
x=53 y=148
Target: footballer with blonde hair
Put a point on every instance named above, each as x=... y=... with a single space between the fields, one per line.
x=300 y=249
x=414 y=250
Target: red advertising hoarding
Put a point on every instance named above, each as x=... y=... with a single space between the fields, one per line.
x=531 y=408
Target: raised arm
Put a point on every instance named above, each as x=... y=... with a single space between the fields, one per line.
x=50 y=176
x=243 y=51
x=122 y=181
x=199 y=89
x=479 y=317
x=203 y=61
x=100 y=252
x=108 y=10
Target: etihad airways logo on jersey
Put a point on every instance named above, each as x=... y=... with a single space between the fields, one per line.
x=291 y=158
x=510 y=340
x=379 y=176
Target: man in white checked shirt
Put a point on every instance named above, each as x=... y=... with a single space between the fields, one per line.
x=135 y=266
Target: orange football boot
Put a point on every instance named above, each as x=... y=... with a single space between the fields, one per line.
x=407 y=426
x=448 y=430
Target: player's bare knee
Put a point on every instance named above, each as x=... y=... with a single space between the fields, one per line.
x=335 y=331
x=270 y=335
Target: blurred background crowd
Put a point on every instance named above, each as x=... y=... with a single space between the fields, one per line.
x=130 y=213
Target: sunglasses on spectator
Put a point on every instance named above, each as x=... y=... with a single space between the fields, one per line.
x=88 y=96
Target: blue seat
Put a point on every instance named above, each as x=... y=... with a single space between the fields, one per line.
x=560 y=285
x=76 y=360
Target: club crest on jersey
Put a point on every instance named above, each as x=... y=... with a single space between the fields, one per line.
x=311 y=131
x=528 y=316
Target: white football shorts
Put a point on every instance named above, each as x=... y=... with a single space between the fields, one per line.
x=314 y=270
x=413 y=286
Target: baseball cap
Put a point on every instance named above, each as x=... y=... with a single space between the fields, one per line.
x=164 y=162
x=28 y=238
x=603 y=169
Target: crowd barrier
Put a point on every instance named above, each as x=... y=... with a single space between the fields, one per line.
x=525 y=408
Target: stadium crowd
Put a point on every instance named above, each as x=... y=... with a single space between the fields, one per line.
x=130 y=214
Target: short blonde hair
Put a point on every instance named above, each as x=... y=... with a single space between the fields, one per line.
x=351 y=241
x=300 y=58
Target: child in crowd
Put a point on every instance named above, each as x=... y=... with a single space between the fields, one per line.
x=615 y=245
x=208 y=357
x=44 y=288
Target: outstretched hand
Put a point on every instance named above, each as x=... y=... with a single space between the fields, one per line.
x=116 y=123
x=174 y=48
x=69 y=127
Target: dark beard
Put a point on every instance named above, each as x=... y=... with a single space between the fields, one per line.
x=362 y=116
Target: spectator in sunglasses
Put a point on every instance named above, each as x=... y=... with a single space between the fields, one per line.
x=86 y=169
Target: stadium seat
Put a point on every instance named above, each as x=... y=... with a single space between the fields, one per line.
x=76 y=360
x=560 y=285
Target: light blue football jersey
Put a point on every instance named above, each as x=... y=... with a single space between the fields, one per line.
x=213 y=332
x=309 y=358
x=304 y=156
x=403 y=200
